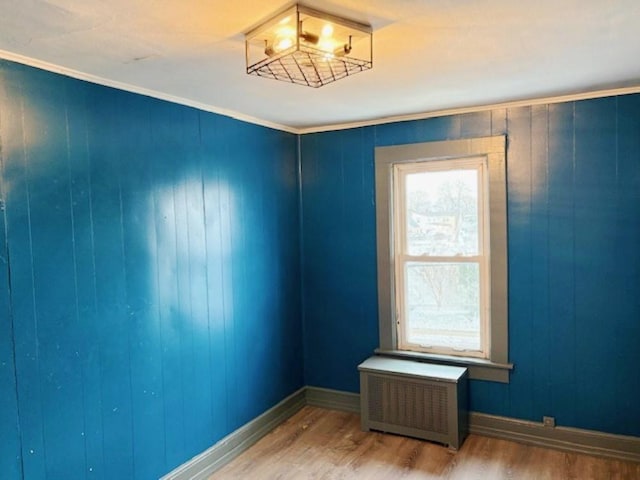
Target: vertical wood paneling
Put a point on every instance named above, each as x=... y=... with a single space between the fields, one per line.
x=10 y=461
x=78 y=161
x=561 y=261
x=10 y=450
x=27 y=359
x=626 y=286
x=595 y=215
x=573 y=173
x=476 y=124
x=55 y=301
x=539 y=296
x=214 y=191
x=164 y=220
x=201 y=388
x=147 y=291
x=339 y=278
x=111 y=285
x=235 y=322
x=139 y=248
x=249 y=349
x=519 y=232
x=427 y=130
x=181 y=312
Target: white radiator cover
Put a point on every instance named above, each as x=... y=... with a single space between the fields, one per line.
x=414 y=399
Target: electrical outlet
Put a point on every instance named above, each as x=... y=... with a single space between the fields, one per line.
x=549 y=422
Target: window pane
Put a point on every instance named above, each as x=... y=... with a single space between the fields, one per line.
x=442 y=213
x=442 y=305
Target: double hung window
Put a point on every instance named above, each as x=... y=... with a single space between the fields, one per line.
x=441 y=253
x=441 y=225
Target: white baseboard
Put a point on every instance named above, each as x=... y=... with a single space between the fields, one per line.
x=619 y=447
x=202 y=466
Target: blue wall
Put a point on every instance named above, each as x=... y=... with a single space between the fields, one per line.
x=154 y=269
x=9 y=427
x=574 y=264
x=149 y=270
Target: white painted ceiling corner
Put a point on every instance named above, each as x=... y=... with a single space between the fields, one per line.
x=430 y=57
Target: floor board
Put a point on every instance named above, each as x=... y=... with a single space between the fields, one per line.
x=328 y=445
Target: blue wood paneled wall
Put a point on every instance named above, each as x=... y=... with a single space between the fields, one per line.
x=9 y=427
x=149 y=270
x=154 y=279
x=574 y=258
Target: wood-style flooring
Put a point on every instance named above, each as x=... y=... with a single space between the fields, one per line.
x=326 y=445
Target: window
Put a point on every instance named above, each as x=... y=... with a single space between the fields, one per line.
x=441 y=256
x=442 y=279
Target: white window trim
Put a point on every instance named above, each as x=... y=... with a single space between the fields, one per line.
x=482 y=259
x=496 y=367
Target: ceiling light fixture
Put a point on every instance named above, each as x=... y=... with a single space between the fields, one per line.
x=308 y=47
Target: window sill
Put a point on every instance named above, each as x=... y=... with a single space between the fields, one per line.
x=478 y=369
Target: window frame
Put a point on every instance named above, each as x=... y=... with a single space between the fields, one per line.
x=496 y=367
x=482 y=258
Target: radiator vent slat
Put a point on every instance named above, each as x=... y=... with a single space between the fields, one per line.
x=414 y=399
x=408 y=403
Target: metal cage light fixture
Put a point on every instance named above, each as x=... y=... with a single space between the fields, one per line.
x=308 y=47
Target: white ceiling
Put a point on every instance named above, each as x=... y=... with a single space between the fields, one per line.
x=429 y=55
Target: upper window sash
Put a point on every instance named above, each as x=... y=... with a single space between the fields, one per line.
x=400 y=173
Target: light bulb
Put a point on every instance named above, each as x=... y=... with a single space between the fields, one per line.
x=327 y=45
x=283 y=43
x=286 y=32
x=327 y=30
x=284 y=38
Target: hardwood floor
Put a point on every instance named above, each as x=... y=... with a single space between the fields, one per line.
x=326 y=445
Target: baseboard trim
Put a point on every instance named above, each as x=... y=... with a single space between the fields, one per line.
x=214 y=458
x=577 y=440
x=333 y=399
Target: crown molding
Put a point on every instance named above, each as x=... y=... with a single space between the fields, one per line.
x=69 y=72
x=612 y=92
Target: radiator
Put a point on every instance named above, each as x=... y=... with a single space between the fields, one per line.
x=415 y=399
